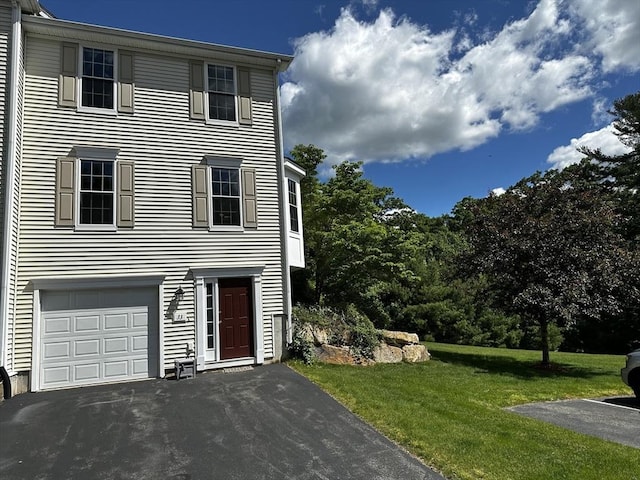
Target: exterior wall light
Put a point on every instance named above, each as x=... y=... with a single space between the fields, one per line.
x=179 y=295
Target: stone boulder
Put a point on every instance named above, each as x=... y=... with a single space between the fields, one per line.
x=335 y=355
x=384 y=353
x=399 y=339
x=415 y=353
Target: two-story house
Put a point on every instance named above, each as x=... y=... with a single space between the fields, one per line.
x=147 y=208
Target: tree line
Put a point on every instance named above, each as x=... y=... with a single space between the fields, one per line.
x=553 y=263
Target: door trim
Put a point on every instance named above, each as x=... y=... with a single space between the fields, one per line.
x=202 y=276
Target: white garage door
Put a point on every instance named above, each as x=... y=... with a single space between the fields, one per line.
x=96 y=336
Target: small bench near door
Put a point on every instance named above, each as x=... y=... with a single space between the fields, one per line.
x=185 y=368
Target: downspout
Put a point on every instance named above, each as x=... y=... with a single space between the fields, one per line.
x=16 y=36
x=283 y=205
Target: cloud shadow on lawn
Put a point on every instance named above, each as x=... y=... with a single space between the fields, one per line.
x=525 y=369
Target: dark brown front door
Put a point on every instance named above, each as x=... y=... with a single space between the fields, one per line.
x=236 y=318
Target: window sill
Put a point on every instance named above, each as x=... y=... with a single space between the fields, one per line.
x=96 y=228
x=222 y=123
x=226 y=228
x=98 y=111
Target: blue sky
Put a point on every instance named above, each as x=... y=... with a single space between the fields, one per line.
x=441 y=99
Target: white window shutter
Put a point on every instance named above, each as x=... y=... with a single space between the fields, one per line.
x=196 y=90
x=126 y=194
x=65 y=192
x=244 y=96
x=68 y=84
x=249 y=204
x=200 y=193
x=125 y=81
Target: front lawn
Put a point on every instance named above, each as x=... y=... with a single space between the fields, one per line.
x=450 y=411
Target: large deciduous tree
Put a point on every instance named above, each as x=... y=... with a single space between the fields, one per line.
x=551 y=249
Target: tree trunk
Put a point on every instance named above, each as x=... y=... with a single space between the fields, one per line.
x=544 y=337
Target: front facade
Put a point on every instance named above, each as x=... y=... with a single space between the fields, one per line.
x=148 y=204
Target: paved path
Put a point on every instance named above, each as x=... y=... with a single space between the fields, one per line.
x=266 y=423
x=616 y=420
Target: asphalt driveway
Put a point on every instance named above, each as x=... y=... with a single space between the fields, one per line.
x=265 y=423
x=613 y=419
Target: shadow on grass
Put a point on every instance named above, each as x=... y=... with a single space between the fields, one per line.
x=526 y=369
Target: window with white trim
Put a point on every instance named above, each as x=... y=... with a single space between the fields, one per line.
x=94 y=190
x=224 y=194
x=98 y=86
x=294 y=222
x=97 y=194
x=221 y=92
x=225 y=188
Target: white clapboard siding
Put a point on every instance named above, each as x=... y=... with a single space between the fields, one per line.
x=5 y=77
x=163 y=143
x=5 y=56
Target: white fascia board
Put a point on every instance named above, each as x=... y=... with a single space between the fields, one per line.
x=74 y=31
x=294 y=171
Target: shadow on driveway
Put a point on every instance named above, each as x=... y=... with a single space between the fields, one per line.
x=266 y=423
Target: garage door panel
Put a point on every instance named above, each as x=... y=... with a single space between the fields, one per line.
x=56 y=351
x=118 y=368
x=87 y=323
x=116 y=321
x=140 y=367
x=57 y=325
x=139 y=320
x=87 y=371
x=116 y=345
x=57 y=375
x=139 y=344
x=87 y=347
x=89 y=343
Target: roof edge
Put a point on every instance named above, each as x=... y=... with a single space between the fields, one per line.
x=66 y=29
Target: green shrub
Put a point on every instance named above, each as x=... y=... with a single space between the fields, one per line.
x=349 y=327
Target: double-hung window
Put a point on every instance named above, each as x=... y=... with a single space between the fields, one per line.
x=94 y=190
x=221 y=92
x=224 y=194
x=98 y=78
x=293 y=206
x=97 y=195
x=225 y=188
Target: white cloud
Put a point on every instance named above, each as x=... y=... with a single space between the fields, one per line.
x=604 y=139
x=391 y=89
x=498 y=191
x=613 y=28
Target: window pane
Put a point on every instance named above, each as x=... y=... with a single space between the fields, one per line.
x=222 y=107
x=96 y=207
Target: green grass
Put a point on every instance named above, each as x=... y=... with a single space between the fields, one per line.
x=450 y=411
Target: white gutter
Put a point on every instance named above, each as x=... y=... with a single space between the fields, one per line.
x=16 y=36
x=283 y=205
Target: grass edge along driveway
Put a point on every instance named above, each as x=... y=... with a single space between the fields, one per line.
x=450 y=411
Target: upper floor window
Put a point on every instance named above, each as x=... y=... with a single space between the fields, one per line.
x=96 y=192
x=98 y=81
x=225 y=187
x=221 y=89
x=220 y=93
x=293 y=206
